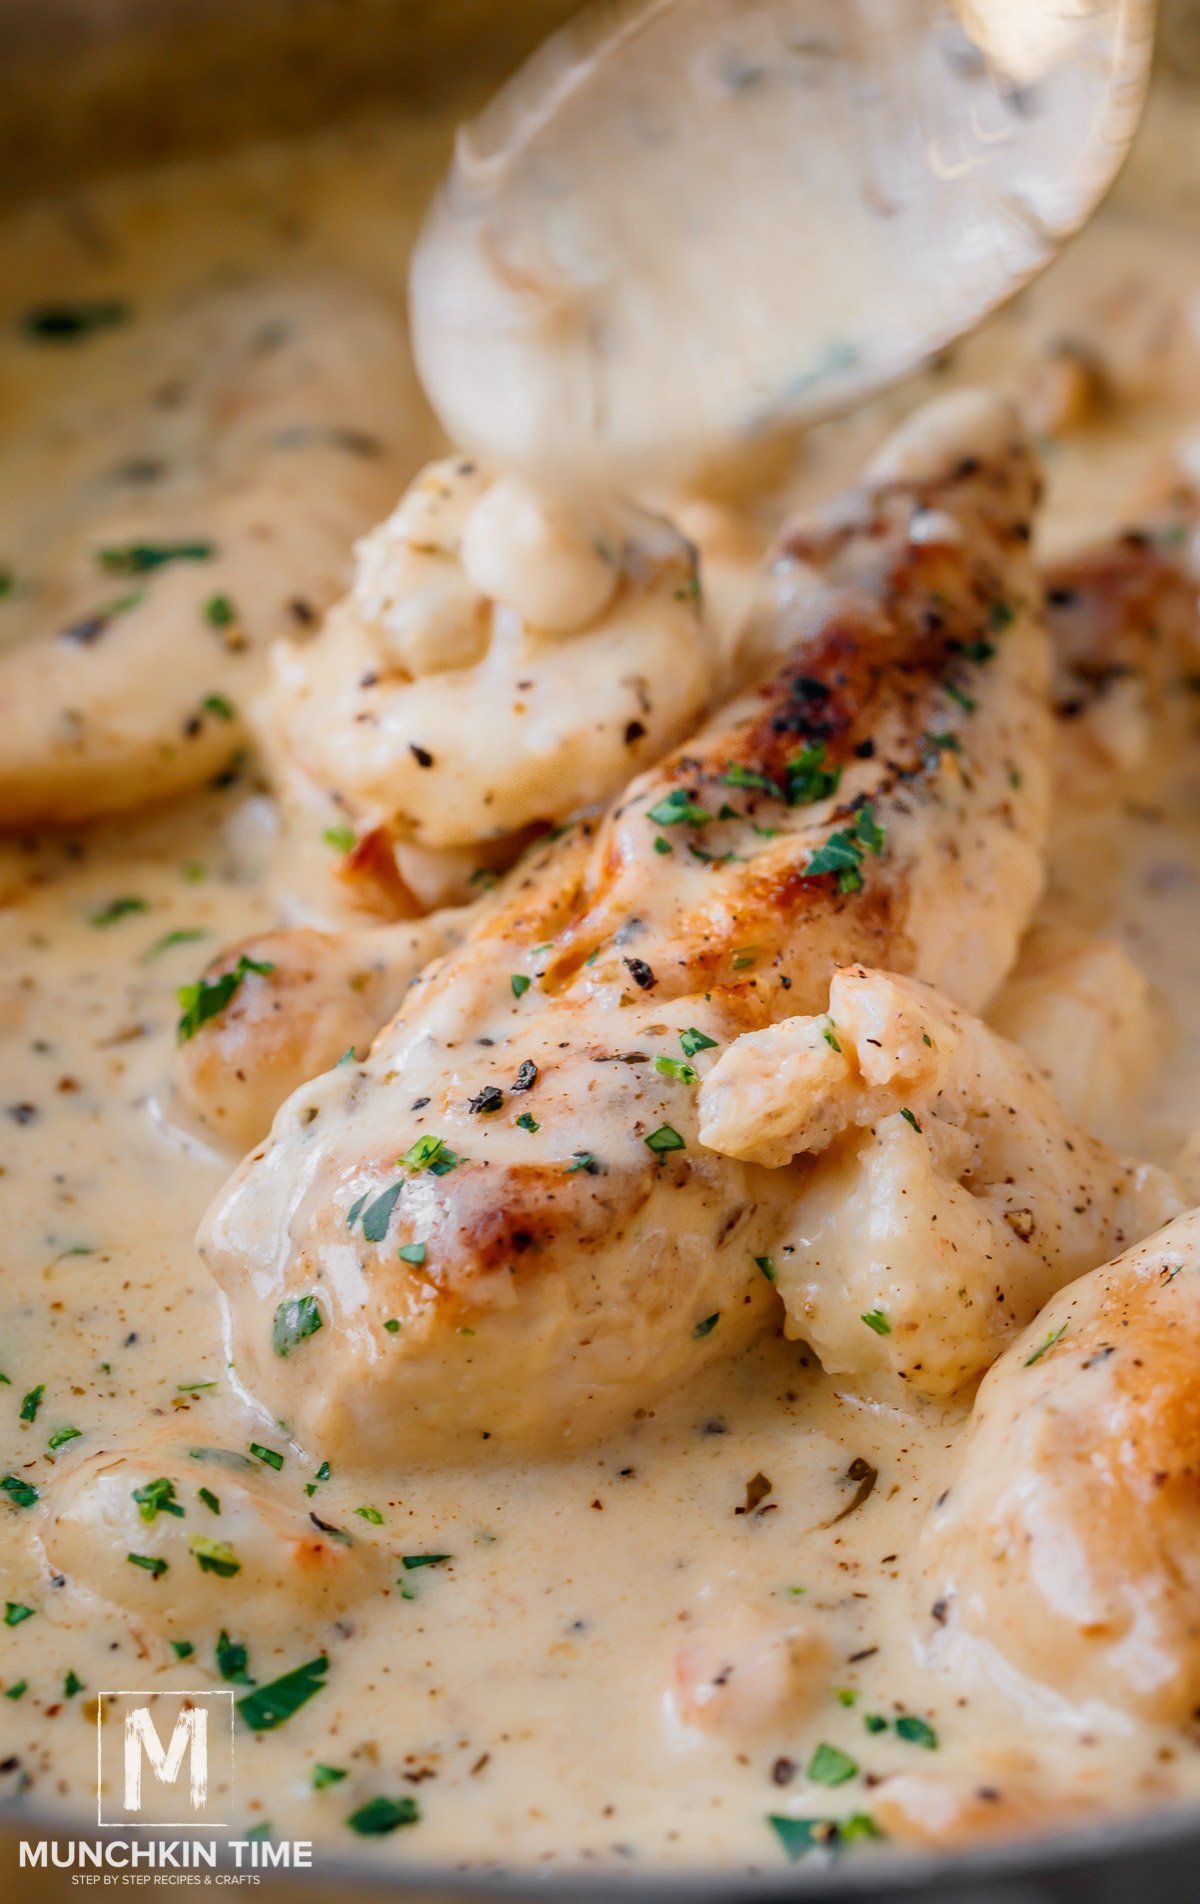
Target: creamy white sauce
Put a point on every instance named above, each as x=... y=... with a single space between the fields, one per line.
x=523 y=1694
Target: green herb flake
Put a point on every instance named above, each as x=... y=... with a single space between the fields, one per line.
x=233 y=1660
x=675 y=1068
x=115 y=910
x=325 y=1775
x=876 y=1320
x=767 y=1265
x=343 y=839
x=809 y=779
x=182 y=1649
x=520 y=984
x=182 y=935
x=220 y=706
x=960 y=697
x=916 y=1731
x=664 y=1139
x=72 y=1684
x=875 y=1722
x=15 y=1613
x=270 y=1457
x=1056 y=1335
x=218 y=611
x=214 y=1556
x=378 y=1214
x=694 y=1041
x=371 y=1514
x=209 y=996
x=845 y=1695
x=910 y=1117
x=157 y=1497
x=527 y=1122
x=432 y=1154
x=799 y=1836
x=20 y=1493
x=678 y=809
x=139 y=558
x=706 y=1326
x=393 y=1325
x=829 y=1765
x=154 y=1565
x=661 y=845
x=379 y=1816
x=268 y=1706
x=17 y=1691
x=296 y=1318
x=410 y=1562
x=32 y=1402
x=413 y=1253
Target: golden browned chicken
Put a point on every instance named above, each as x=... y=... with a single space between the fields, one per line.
x=526 y=1133
x=1068 y=1544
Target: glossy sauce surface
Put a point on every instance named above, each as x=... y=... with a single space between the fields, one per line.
x=530 y=1688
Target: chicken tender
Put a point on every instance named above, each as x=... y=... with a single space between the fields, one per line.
x=503 y=659
x=246 y=440
x=503 y=1225
x=1068 y=1546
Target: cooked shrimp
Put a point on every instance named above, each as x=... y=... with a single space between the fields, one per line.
x=570 y=1250
x=503 y=659
x=245 y=441
x=949 y=1193
x=747 y=1672
x=1068 y=1546
x=139 y=1529
x=314 y=998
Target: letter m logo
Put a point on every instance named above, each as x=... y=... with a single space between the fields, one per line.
x=164 y=1758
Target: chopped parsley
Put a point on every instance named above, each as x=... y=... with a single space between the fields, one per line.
x=343 y=839
x=210 y=1500
x=218 y=611
x=138 y=558
x=582 y=1160
x=296 y=1318
x=526 y=1122
x=411 y=1561
x=520 y=984
x=842 y=853
x=154 y=1565
x=916 y=1731
x=767 y=1265
x=799 y=1836
x=1055 y=1335
x=323 y=1775
x=268 y=1706
x=209 y=996
x=219 y=705
x=678 y=809
x=270 y=1457
x=157 y=1497
x=664 y=1139
x=17 y=1691
x=32 y=1402
x=706 y=1326
x=432 y=1154
x=371 y=1514
x=182 y=1649
x=412 y=1253
x=694 y=1041
x=71 y=1685
x=20 y=1493
x=233 y=1660
x=809 y=779
x=829 y=1033
x=214 y=1556
x=182 y=935
x=875 y=1319
x=910 y=1118
x=829 y=1765
x=675 y=1068
x=381 y=1815
x=115 y=910
x=377 y=1215
x=15 y=1612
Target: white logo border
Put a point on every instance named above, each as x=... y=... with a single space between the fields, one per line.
x=162 y=1692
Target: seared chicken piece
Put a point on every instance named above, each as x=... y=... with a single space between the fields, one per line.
x=504 y=658
x=1068 y=1547
x=503 y=1222
x=302 y=1000
x=204 y=503
x=949 y=1194
x=1082 y=1013
x=140 y=1530
x=1125 y=634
